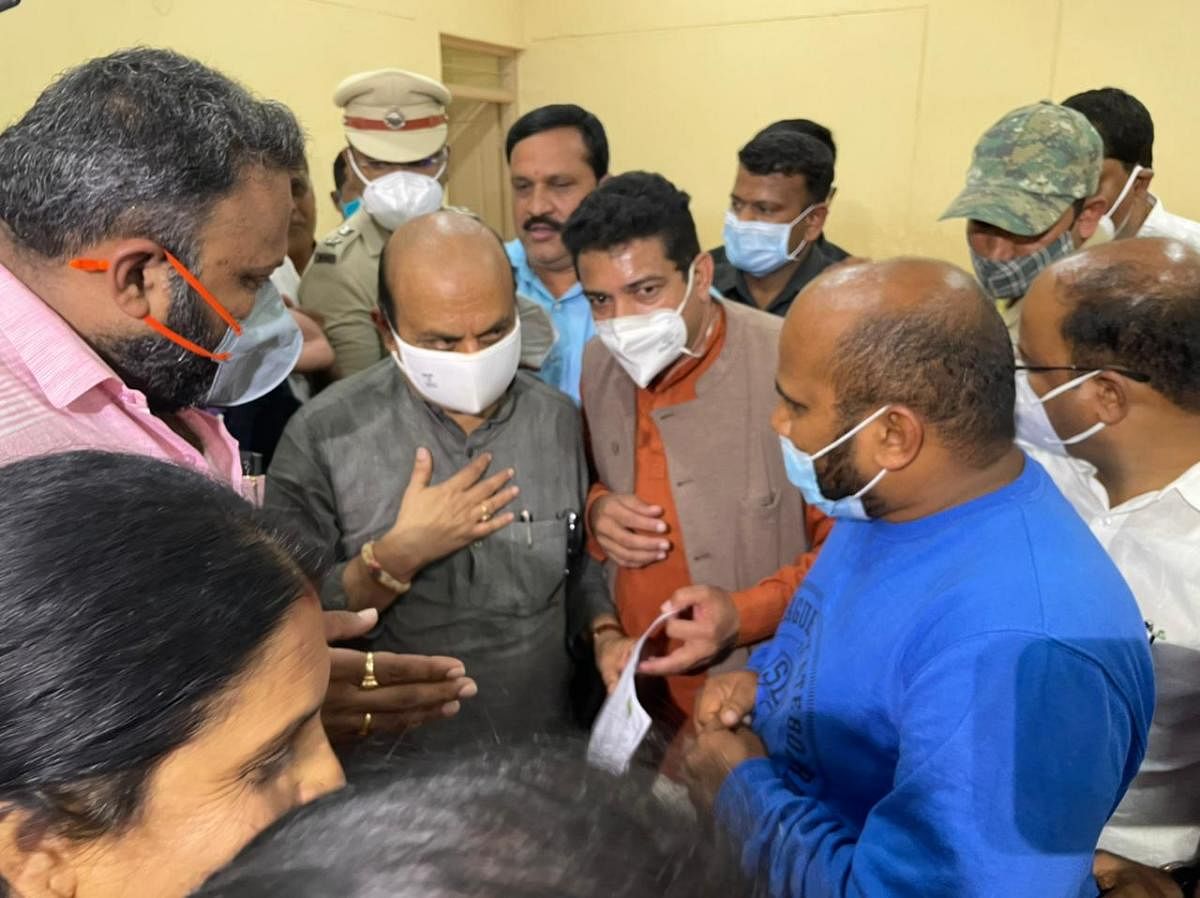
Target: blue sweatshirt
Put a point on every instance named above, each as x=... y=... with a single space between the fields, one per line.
x=952 y=707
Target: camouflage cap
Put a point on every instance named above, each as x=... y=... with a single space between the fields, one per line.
x=1029 y=167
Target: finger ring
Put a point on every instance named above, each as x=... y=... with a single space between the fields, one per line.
x=365 y=730
x=486 y=514
x=368 y=680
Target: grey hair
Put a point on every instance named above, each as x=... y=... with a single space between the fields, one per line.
x=143 y=143
x=524 y=821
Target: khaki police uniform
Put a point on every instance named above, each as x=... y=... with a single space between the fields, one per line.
x=342 y=286
x=391 y=116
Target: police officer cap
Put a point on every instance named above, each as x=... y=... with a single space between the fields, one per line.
x=393 y=115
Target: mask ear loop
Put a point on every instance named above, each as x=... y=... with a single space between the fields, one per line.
x=687 y=296
x=354 y=165
x=99 y=266
x=795 y=254
x=1064 y=388
x=1069 y=385
x=1130 y=181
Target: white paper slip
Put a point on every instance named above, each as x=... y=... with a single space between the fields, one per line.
x=622 y=723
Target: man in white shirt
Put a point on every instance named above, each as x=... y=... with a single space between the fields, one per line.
x=1108 y=401
x=1125 y=126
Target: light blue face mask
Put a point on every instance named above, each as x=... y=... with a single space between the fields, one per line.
x=262 y=357
x=760 y=247
x=351 y=207
x=802 y=474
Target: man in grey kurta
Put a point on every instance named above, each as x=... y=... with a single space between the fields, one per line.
x=458 y=577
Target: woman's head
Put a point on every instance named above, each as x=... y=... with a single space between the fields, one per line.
x=519 y=823
x=162 y=667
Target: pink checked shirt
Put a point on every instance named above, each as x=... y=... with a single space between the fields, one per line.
x=56 y=395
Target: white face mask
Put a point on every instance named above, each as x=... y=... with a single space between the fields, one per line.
x=760 y=247
x=1107 y=229
x=400 y=196
x=1033 y=424
x=459 y=381
x=646 y=344
x=262 y=357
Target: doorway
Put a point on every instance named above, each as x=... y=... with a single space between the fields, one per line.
x=483 y=81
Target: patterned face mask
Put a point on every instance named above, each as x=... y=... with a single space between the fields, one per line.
x=1011 y=278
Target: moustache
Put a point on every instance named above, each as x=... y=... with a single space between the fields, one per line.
x=534 y=220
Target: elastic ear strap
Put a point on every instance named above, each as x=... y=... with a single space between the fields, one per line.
x=91 y=266
x=354 y=166
x=195 y=284
x=1069 y=385
x=870 y=486
x=1129 y=182
x=180 y=340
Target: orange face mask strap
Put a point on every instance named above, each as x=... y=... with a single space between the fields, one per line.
x=94 y=266
x=91 y=266
x=195 y=284
x=180 y=340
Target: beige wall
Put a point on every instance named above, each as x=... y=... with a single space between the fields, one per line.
x=293 y=50
x=681 y=84
x=906 y=86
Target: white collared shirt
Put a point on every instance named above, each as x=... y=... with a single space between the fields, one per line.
x=1154 y=539
x=1161 y=223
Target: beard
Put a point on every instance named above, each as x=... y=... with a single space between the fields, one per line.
x=838 y=478
x=171 y=377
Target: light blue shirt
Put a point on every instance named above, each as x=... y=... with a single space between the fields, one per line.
x=572 y=317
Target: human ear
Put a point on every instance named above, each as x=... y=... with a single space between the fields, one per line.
x=895 y=438
x=33 y=865
x=137 y=275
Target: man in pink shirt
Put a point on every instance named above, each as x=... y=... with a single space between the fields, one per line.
x=144 y=204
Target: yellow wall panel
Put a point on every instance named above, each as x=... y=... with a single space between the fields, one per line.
x=292 y=50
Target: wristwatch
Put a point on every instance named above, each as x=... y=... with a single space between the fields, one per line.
x=378 y=574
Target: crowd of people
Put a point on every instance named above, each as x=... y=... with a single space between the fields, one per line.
x=395 y=506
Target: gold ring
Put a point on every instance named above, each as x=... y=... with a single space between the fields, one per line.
x=365 y=730
x=368 y=680
x=486 y=513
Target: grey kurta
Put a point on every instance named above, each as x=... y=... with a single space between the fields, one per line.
x=503 y=605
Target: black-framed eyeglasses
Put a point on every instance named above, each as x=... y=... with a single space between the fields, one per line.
x=1083 y=369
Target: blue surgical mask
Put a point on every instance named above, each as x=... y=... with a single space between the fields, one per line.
x=351 y=207
x=802 y=474
x=760 y=247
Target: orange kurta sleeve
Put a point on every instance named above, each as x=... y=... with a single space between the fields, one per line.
x=761 y=607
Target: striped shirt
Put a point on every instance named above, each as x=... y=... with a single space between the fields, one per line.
x=57 y=395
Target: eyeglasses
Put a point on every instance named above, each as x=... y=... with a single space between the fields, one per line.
x=378 y=165
x=1124 y=372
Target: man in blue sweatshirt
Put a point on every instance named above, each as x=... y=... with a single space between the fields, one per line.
x=961 y=688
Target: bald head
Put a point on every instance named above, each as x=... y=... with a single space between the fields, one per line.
x=445 y=282
x=912 y=332
x=1132 y=305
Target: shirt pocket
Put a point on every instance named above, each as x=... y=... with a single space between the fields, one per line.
x=528 y=561
x=764 y=505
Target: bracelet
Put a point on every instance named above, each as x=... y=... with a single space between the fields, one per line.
x=378 y=574
x=1185 y=875
x=606 y=627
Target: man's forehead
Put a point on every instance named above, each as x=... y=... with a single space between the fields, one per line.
x=775 y=184
x=234 y=240
x=627 y=262
x=555 y=144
